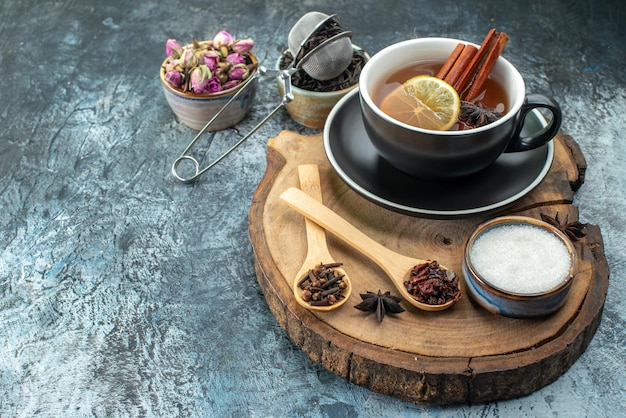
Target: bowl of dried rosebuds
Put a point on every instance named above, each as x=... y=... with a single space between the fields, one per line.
x=198 y=80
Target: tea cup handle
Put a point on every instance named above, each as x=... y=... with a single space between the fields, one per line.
x=535 y=139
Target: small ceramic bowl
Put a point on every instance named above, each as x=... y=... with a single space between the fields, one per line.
x=311 y=108
x=519 y=267
x=196 y=110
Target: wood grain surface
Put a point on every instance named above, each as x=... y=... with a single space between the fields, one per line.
x=462 y=355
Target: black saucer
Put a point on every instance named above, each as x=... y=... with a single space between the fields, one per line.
x=357 y=162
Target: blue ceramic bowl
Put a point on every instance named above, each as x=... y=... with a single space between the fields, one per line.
x=505 y=302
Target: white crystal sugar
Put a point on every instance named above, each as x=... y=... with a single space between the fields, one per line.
x=520 y=258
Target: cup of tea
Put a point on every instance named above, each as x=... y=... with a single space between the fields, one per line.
x=456 y=152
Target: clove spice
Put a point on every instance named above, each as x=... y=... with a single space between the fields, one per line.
x=322 y=285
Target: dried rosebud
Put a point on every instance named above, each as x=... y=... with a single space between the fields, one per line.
x=188 y=58
x=223 y=76
x=235 y=58
x=172 y=48
x=243 y=46
x=211 y=60
x=239 y=72
x=172 y=65
x=199 y=78
x=230 y=84
x=214 y=85
x=198 y=56
x=174 y=78
x=223 y=38
x=224 y=67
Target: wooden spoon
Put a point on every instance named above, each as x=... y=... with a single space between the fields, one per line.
x=397 y=266
x=317 y=251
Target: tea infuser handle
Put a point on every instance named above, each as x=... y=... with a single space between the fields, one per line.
x=199 y=172
x=287 y=97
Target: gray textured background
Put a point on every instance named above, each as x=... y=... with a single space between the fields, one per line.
x=124 y=293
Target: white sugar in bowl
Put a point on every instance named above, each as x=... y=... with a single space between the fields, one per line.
x=519 y=267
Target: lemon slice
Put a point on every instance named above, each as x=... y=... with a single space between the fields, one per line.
x=425 y=102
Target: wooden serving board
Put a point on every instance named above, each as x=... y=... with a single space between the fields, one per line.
x=462 y=355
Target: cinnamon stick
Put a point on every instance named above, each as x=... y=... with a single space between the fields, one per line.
x=445 y=68
x=467 y=68
x=460 y=64
x=473 y=67
x=486 y=68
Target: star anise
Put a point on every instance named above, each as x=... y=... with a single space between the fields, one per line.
x=477 y=115
x=574 y=230
x=380 y=303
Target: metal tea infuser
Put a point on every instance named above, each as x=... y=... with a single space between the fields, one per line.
x=324 y=62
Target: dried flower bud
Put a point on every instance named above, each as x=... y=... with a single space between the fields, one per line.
x=239 y=72
x=235 y=58
x=223 y=38
x=211 y=60
x=174 y=78
x=199 y=78
x=224 y=67
x=188 y=58
x=223 y=76
x=243 y=46
x=230 y=84
x=198 y=56
x=172 y=48
x=172 y=65
x=214 y=85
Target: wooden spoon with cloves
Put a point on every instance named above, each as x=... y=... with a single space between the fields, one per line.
x=320 y=284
